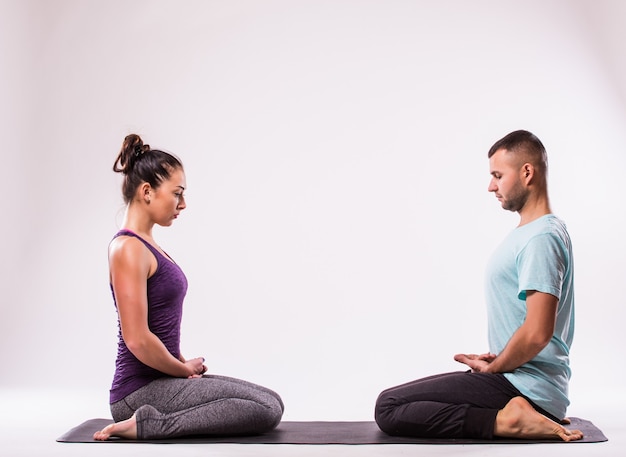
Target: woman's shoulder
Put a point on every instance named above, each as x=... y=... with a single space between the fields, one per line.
x=130 y=258
x=126 y=247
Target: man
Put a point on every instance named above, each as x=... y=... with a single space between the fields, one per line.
x=519 y=389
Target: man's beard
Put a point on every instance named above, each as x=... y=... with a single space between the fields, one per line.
x=516 y=199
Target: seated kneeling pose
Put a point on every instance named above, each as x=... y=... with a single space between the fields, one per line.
x=156 y=392
x=519 y=389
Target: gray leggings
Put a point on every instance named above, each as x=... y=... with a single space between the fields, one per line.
x=210 y=405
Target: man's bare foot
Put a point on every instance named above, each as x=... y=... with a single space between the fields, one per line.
x=124 y=429
x=518 y=419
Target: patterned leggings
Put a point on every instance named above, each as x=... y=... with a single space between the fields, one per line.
x=210 y=405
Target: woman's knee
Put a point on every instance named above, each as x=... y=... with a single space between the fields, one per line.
x=275 y=413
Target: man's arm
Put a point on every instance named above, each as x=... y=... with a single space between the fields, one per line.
x=532 y=336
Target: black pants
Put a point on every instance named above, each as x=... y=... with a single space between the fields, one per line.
x=451 y=405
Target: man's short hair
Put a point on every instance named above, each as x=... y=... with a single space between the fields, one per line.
x=526 y=144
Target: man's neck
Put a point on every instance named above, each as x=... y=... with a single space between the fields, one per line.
x=534 y=209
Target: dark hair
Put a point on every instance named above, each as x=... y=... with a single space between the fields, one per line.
x=524 y=143
x=138 y=163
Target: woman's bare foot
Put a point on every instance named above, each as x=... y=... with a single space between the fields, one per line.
x=518 y=419
x=124 y=429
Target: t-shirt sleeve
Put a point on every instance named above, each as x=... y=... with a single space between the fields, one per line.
x=541 y=266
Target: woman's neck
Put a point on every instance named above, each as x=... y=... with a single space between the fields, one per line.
x=138 y=223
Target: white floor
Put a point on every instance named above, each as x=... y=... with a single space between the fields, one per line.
x=31 y=421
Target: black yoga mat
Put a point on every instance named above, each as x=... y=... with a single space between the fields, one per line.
x=319 y=433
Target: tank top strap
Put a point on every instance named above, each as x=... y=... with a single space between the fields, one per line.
x=126 y=232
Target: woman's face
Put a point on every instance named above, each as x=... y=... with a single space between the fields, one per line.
x=168 y=200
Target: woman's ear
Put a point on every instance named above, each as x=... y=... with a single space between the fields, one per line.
x=145 y=192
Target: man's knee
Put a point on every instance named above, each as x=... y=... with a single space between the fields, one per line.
x=383 y=413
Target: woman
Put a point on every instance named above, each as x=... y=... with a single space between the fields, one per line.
x=156 y=392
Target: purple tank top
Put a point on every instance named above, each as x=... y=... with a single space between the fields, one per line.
x=166 y=290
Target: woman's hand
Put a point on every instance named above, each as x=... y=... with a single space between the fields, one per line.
x=196 y=366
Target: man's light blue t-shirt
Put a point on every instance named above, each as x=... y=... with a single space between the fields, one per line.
x=536 y=256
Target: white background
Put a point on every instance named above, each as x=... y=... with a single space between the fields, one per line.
x=338 y=219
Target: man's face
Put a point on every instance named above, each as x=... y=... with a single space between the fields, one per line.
x=506 y=180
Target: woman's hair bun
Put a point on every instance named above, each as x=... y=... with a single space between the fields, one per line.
x=132 y=149
x=141 y=164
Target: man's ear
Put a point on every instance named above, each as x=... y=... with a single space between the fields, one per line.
x=528 y=171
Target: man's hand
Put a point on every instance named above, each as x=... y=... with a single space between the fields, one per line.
x=527 y=341
x=478 y=363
